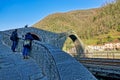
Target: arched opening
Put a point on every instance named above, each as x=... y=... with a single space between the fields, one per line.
x=74 y=46
x=35 y=37
x=69 y=47
x=73 y=38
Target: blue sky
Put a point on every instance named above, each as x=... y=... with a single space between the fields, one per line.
x=18 y=13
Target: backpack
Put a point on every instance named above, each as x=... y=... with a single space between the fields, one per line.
x=13 y=36
x=27 y=43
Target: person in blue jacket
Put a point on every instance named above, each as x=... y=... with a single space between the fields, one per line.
x=27 y=45
x=14 y=38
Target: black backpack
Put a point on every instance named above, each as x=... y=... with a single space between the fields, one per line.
x=13 y=36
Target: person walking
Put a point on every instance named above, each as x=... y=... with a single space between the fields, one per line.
x=27 y=45
x=14 y=38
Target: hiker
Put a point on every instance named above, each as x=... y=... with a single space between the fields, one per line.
x=27 y=45
x=26 y=26
x=14 y=38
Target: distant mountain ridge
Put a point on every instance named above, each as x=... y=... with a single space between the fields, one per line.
x=60 y=22
x=93 y=26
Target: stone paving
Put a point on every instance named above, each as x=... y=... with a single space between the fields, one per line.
x=14 y=67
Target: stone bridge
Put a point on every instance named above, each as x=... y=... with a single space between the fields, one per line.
x=46 y=55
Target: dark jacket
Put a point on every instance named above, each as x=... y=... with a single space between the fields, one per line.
x=28 y=40
x=29 y=36
x=14 y=36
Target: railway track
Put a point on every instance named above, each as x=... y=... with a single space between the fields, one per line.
x=107 y=62
x=109 y=68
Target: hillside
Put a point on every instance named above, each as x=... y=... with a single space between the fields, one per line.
x=93 y=26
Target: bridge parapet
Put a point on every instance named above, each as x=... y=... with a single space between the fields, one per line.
x=45 y=60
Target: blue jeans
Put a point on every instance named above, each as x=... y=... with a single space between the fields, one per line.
x=14 y=45
x=26 y=51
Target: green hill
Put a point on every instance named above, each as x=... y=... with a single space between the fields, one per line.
x=93 y=26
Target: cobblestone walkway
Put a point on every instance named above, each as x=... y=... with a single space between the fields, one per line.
x=14 y=67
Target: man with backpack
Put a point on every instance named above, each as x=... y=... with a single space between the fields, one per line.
x=14 y=38
x=27 y=45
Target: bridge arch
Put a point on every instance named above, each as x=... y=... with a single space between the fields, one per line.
x=78 y=44
x=35 y=36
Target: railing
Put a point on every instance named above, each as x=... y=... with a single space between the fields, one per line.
x=41 y=54
x=104 y=54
